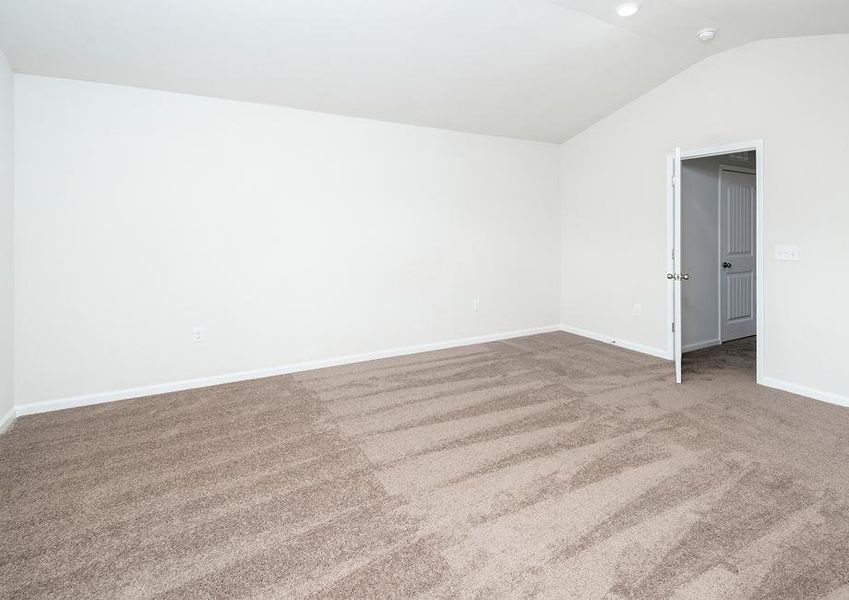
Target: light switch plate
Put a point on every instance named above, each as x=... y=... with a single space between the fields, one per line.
x=786 y=252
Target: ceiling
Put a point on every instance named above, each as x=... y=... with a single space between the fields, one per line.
x=535 y=69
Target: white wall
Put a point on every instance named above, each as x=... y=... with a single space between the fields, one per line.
x=289 y=236
x=793 y=93
x=6 y=243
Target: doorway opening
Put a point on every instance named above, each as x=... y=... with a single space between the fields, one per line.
x=716 y=257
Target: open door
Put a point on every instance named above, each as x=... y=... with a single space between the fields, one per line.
x=675 y=276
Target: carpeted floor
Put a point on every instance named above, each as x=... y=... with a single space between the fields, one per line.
x=548 y=466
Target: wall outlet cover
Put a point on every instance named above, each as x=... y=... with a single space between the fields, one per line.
x=786 y=252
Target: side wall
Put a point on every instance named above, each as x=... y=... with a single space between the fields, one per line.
x=792 y=93
x=289 y=237
x=6 y=244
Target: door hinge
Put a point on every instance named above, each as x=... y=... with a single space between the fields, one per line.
x=673 y=326
x=674 y=180
x=673 y=254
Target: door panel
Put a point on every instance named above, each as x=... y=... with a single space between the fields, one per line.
x=740 y=287
x=737 y=255
x=676 y=262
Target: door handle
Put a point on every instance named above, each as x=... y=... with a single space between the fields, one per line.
x=685 y=276
x=726 y=265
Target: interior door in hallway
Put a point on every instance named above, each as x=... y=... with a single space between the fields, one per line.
x=737 y=204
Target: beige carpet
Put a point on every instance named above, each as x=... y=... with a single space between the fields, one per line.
x=548 y=466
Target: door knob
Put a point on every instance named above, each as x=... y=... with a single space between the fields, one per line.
x=685 y=276
x=726 y=265
x=670 y=276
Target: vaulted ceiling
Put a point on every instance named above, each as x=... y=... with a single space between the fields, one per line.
x=535 y=69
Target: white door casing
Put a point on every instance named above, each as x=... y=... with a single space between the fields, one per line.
x=737 y=254
x=674 y=241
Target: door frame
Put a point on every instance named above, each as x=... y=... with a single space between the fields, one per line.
x=726 y=168
x=673 y=331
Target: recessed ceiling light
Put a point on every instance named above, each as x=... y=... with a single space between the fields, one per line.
x=706 y=34
x=628 y=9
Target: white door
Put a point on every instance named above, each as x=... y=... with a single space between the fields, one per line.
x=737 y=201
x=675 y=276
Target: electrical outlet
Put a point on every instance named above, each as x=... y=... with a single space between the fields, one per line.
x=638 y=310
x=476 y=305
x=197 y=335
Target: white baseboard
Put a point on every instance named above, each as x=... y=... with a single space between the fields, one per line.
x=607 y=339
x=806 y=391
x=164 y=388
x=7 y=420
x=700 y=345
x=176 y=386
x=767 y=381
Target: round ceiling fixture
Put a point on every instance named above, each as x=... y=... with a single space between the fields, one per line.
x=706 y=34
x=628 y=9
